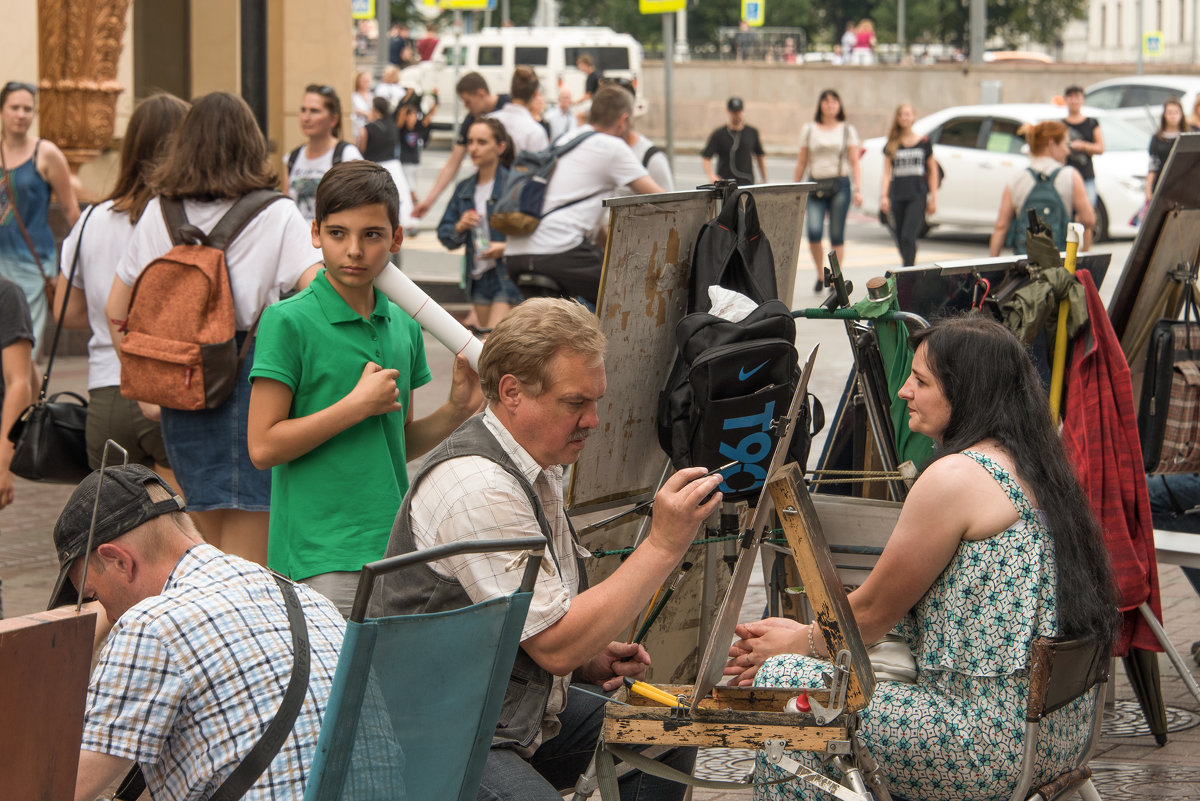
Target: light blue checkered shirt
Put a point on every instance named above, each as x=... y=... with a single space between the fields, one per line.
x=190 y=678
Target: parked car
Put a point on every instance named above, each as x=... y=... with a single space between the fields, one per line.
x=551 y=52
x=1139 y=99
x=979 y=152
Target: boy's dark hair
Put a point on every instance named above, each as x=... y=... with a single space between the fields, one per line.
x=352 y=184
x=380 y=104
x=470 y=83
x=524 y=84
x=1073 y=90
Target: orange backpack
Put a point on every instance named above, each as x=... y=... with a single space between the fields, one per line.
x=180 y=349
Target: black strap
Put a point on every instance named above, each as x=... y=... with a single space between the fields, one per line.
x=264 y=751
x=338 y=150
x=66 y=297
x=651 y=152
x=244 y=210
x=295 y=154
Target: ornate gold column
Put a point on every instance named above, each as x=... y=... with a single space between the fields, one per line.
x=79 y=42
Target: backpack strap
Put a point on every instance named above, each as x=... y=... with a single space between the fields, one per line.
x=651 y=153
x=338 y=150
x=558 y=151
x=244 y=210
x=176 y=219
x=291 y=161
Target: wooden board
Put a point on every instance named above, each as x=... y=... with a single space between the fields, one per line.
x=824 y=588
x=643 y=296
x=45 y=659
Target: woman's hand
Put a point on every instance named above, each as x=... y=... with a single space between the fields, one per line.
x=857 y=198
x=761 y=640
x=494 y=251
x=468 y=220
x=931 y=205
x=885 y=205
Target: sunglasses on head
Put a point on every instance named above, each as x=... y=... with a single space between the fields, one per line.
x=320 y=89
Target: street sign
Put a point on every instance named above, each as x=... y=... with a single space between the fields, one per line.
x=1153 y=44
x=752 y=12
x=464 y=5
x=661 y=6
x=362 y=9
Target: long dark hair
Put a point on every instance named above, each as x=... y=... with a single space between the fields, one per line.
x=994 y=393
x=147 y=137
x=218 y=152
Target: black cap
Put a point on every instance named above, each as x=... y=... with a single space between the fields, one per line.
x=734 y=104
x=124 y=505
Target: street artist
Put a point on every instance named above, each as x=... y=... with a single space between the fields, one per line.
x=500 y=475
x=200 y=652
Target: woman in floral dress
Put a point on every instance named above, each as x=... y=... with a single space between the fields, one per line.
x=995 y=546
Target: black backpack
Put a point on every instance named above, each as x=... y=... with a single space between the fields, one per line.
x=732 y=382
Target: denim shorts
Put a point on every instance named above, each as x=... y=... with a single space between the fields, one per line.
x=836 y=207
x=208 y=452
x=494 y=286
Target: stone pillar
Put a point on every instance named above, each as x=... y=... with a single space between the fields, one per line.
x=79 y=45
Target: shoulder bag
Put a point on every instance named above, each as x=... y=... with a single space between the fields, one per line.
x=48 y=438
x=1169 y=412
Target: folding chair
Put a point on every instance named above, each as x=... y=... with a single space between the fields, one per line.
x=1059 y=672
x=416 y=698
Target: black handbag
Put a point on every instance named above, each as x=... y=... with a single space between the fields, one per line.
x=48 y=438
x=1169 y=413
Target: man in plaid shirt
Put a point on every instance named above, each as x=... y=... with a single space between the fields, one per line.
x=200 y=652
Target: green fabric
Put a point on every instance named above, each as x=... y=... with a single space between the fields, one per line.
x=332 y=509
x=1034 y=307
x=414 y=702
x=897 y=360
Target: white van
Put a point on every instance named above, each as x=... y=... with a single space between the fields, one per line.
x=551 y=52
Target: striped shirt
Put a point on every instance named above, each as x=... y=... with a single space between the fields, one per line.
x=189 y=679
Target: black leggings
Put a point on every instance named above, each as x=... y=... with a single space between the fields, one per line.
x=908 y=217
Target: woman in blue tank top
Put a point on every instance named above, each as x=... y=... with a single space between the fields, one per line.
x=32 y=168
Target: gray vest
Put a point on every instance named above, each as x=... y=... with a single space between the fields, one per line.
x=418 y=589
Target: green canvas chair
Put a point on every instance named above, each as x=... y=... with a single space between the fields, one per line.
x=415 y=698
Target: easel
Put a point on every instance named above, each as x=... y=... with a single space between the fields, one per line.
x=754 y=717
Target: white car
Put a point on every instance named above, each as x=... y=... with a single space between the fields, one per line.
x=1138 y=99
x=979 y=152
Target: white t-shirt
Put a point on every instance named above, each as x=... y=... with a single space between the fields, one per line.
x=482 y=232
x=526 y=132
x=267 y=258
x=659 y=166
x=306 y=175
x=828 y=151
x=104 y=244
x=593 y=170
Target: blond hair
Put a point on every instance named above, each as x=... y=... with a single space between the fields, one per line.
x=530 y=336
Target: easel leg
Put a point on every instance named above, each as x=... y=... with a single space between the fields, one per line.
x=1172 y=653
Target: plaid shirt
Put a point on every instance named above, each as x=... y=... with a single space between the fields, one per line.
x=190 y=678
x=473 y=498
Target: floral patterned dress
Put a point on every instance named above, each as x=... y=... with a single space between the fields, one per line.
x=959 y=731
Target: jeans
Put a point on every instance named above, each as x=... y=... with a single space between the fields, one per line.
x=836 y=207
x=1089 y=186
x=1167 y=493
x=559 y=762
x=908 y=216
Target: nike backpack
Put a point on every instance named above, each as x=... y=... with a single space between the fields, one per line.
x=732 y=382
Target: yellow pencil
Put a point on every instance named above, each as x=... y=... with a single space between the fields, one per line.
x=651 y=692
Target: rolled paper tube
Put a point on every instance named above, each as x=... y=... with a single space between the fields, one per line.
x=401 y=290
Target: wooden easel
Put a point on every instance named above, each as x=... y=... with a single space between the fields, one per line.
x=754 y=717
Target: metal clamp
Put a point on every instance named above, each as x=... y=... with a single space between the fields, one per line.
x=838 y=684
x=773 y=748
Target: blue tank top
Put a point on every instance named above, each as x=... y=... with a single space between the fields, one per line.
x=26 y=187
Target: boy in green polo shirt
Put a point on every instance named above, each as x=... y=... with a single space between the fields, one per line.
x=331 y=403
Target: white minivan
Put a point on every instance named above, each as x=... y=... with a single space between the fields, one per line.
x=551 y=52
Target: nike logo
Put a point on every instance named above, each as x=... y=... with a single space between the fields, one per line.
x=743 y=375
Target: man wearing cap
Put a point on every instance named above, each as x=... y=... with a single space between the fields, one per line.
x=736 y=146
x=200 y=653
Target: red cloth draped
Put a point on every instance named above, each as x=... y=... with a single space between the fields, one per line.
x=1101 y=438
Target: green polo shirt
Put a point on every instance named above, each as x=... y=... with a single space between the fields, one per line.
x=332 y=509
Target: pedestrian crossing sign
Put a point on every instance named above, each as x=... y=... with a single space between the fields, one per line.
x=661 y=6
x=752 y=12
x=463 y=5
x=362 y=9
x=1152 y=44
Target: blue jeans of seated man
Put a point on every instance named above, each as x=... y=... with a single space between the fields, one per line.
x=836 y=207
x=559 y=762
x=1171 y=514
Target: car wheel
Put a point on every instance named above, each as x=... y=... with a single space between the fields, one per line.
x=1100 y=232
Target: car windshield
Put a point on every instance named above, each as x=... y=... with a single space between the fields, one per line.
x=1120 y=135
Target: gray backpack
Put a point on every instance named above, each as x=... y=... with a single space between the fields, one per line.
x=518 y=210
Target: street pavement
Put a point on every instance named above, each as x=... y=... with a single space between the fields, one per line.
x=1128 y=764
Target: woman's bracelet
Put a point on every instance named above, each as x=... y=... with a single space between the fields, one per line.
x=812 y=646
